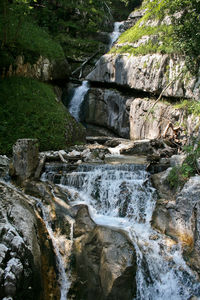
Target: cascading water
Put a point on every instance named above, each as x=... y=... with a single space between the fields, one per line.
x=116 y=32
x=63 y=276
x=77 y=100
x=121 y=196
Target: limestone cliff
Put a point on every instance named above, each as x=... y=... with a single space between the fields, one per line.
x=129 y=68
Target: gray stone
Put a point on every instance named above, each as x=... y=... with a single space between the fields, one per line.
x=107 y=108
x=43 y=69
x=150 y=73
x=83 y=222
x=153 y=126
x=4 y=165
x=19 y=245
x=177 y=160
x=179 y=217
x=106 y=264
x=25 y=158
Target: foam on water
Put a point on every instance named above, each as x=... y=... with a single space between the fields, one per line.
x=121 y=196
x=77 y=100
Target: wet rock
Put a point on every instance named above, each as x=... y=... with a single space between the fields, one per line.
x=25 y=158
x=83 y=222
x=4 y=166
x=106 y=265
x=107 y=108
x=178 y=216
x=139 y=147
x=20 y=250
x=26 y=253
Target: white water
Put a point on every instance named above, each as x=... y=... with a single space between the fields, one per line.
x=63 y=276
x=77 y=100
x=121 y=196
x=116 y=32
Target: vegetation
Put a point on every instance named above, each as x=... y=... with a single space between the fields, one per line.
x=182 y=37
x=29 y=110
x=179 y=175
x=52 y=29
x=190 y=106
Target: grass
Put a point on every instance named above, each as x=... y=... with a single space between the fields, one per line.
x=28 y=109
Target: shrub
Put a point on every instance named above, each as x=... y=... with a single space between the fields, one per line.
x=179 y=175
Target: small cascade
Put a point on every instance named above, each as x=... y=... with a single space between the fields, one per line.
x=118 y=29
x=121 y=196
x=64 y=280
x=77 y=100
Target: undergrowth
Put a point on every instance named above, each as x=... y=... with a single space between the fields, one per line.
x=28 y=109
x=179 y=175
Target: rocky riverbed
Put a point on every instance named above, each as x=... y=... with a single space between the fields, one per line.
x=62 y=236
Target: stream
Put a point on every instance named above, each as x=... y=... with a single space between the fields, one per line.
x=121 y=196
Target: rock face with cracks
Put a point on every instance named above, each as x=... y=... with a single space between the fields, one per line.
x=105 y=261
x=178 y=216
x=150 y=73
x=27 y=260
x=19 y=247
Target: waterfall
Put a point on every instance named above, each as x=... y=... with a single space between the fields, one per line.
x=116 y=32
x=121 y=196
x=63 y=276
x=77 y=100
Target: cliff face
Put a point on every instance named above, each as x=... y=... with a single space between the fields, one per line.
x=144 y=76
x=150 y=73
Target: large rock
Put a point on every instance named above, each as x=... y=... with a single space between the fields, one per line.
x=25 y=158
x=4 y=165
x=27 y=260
x=154 y=126
x=135 y=118
x=179 y=216
x=150 y=73
x=105 y=261
x=107 y=108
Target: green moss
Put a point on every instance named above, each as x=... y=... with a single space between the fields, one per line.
x=190 y=106
x=162 y=34
x=28 y=109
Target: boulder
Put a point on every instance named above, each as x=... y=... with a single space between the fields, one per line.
x=106 y=265
x=138 y=147
x=25 y=158
x=177 y=160
x=84 y=222
x=105 y=261
x=28 y=268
